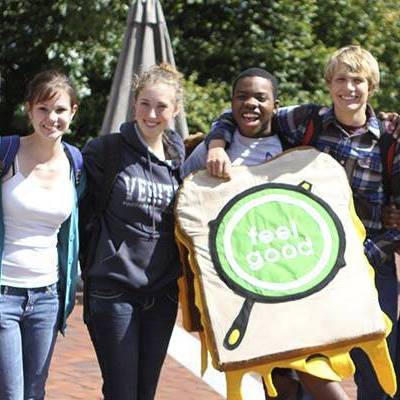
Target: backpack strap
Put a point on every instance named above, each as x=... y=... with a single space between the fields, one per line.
x=388 y=145
x=313 y=128
x=76 y=159
x=9 y=146
x=111 y=148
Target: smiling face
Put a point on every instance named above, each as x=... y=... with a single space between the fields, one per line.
x=155 y=107
x=253 y=105
x=349 y=92
x=51 y=117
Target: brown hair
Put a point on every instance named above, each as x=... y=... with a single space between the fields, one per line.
x=45 y=85
x=164 y=73
x=356 y=59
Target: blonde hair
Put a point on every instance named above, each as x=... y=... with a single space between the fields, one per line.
x=161 y=73
x=46 y=84
x=356 y=59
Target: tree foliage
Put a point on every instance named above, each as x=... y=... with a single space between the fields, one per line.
x=80 y=38
x=202 y=103
x=291 y=39
x=213 y=40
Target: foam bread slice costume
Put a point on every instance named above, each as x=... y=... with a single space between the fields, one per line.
x=279 y=272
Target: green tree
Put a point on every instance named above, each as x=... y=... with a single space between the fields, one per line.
x=213 y=40
x=373 y=24
x=232 y=35
x=202 y=103
x=81 y=38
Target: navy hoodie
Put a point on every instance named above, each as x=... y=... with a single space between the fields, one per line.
x=136 y=247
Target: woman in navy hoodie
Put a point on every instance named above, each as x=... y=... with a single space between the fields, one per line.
x=131 y=284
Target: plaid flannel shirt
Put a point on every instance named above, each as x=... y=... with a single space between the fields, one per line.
x=359 y=153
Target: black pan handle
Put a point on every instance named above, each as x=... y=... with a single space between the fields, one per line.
x=239 y=325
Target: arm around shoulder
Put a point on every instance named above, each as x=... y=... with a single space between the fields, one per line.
x=222 y=128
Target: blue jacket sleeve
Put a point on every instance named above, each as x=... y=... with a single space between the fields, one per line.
x=196 y=160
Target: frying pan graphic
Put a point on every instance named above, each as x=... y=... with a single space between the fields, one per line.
x=274 y=243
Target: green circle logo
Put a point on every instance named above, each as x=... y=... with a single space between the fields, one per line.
x=277 y=242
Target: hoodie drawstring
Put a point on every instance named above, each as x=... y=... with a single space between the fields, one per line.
x=153 y=200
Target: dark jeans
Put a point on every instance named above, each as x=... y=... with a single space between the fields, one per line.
x=368 y=387
x=130 y=334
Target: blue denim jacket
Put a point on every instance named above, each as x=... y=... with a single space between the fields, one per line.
x=68 y=250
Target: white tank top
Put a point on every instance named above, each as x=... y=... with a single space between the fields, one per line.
x=32 y=218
